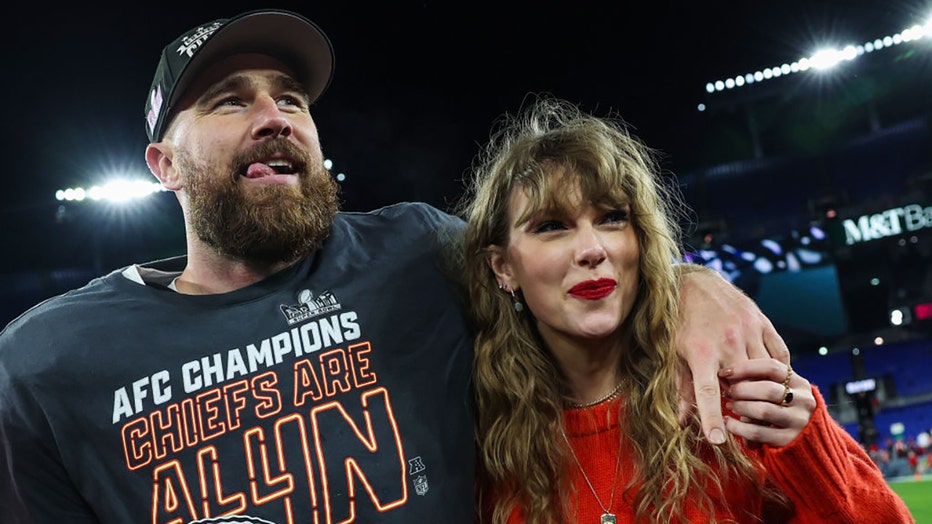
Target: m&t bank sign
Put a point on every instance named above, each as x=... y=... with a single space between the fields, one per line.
x=889 y=223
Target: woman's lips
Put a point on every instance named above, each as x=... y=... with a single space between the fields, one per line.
x=593 y=289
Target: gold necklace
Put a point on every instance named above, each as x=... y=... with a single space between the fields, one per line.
x=607 y=516
x=611 y=394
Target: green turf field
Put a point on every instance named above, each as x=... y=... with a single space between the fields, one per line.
x=918 y=497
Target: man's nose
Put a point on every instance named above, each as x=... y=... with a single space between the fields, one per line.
x=271 y=122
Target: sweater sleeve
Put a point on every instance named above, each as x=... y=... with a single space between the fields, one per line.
x=830 y=478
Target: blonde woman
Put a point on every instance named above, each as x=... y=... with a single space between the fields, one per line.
x=568 y=255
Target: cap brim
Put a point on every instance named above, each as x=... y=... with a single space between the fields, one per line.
x=294 y=40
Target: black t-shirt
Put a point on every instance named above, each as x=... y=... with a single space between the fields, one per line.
x=334 y=391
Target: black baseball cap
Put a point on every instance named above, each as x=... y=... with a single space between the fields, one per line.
x=285 y=35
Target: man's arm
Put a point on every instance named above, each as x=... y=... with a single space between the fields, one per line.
x=719 y=325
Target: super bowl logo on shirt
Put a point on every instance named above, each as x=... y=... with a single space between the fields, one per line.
x=308 y=306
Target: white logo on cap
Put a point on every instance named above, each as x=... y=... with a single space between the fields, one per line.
x=192 y=42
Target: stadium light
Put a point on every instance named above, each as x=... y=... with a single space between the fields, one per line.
x=900 y=316
x=328 y=165
x=122 y=189
x=823 y=59
x=118 y=191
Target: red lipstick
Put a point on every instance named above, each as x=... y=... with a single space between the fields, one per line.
x=593 y=289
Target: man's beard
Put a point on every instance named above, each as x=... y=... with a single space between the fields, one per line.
x=265 y=224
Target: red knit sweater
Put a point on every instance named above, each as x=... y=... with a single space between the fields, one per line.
x=824 y=471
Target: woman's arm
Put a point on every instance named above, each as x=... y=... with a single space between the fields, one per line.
x=826 y=473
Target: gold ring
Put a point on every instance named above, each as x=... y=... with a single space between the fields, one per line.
x=787 y=396
x=789 y=373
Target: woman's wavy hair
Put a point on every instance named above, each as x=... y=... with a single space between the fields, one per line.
x=547 y=150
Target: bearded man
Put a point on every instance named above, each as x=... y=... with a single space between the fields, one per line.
x=296 y=364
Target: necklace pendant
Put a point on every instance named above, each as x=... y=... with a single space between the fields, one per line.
x=608 y=518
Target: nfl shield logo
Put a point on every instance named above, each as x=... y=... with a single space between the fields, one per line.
x=420 y=485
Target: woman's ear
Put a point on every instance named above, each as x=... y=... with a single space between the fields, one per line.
x=498 y=262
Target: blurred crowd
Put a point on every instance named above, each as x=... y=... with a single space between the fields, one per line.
x=903 y=456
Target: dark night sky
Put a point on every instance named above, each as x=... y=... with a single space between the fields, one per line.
x=417 y=85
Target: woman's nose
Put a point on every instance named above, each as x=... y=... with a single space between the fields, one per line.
x=590 y=251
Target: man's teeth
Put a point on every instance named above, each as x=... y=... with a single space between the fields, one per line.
x=281 y=166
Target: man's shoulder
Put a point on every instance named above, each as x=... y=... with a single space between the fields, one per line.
x=404 y=223
x=404 y=214
x=396 y=233
x=55 y=312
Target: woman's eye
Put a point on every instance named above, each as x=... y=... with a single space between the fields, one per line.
x=617 y=215
x=545 y=226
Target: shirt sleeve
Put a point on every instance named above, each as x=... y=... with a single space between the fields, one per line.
x=830 y=478
x=35 y=488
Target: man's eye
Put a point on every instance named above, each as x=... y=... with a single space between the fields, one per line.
x=291 y=100
x=228 y=101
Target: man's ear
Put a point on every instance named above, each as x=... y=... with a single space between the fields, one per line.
x=159 y=160
x=498 y=262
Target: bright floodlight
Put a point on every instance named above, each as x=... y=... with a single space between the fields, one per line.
x=826 y=59
x=896 y=317
x=913 y=33
x=120 y=190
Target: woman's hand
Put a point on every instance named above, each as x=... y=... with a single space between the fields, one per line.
x=773 y=404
